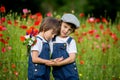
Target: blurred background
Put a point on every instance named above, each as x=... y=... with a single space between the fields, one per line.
x=96 y=8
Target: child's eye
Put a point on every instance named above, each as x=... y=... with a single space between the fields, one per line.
x=65 y=26
x=71 y=30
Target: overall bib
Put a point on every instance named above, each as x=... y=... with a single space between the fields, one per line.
x=65 y=72
x=40 y=71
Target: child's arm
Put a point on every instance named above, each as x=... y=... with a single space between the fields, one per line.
x=68 y=60
x=36 y=59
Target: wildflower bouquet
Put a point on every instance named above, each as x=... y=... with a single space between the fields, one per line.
x=30 y=38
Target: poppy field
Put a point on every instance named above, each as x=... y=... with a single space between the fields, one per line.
x=98 y=45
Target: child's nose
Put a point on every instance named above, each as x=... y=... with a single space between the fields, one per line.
x=67 y=30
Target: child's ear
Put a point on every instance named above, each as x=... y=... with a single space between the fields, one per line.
x=43 y=30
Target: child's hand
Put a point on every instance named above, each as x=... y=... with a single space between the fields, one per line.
x=54 y=62
x=58 y=59
x=50 y=63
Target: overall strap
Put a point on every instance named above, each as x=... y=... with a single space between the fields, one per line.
x=69 y=40
x=40 y=38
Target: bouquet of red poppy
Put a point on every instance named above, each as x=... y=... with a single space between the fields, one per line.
x=30 y=38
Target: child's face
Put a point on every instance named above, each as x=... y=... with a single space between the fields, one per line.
x=65 y=29
x=49 y=34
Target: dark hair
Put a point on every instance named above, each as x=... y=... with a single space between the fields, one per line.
x=50 y=23
x=71 y=25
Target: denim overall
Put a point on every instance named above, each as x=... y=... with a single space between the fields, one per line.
x=40 y=71
x=65 y=72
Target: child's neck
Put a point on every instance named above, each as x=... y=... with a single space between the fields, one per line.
x=42 y=35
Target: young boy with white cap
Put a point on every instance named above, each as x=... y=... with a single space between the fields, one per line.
x=64 y=46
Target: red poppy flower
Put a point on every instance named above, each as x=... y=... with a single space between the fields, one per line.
x=1 y=35
x=23 y=26
x=13 y=66
x=3 y=19
x=3 y=50
x=22 y=38
x=82 y=62
x=101 y=27
x=97 y=36
x=29 y=31
x=32 y=31
x=104 y=20
x=35 y=32
x=81 y=14
x=9 y=22
x=3 y=41
x=2 y=9
x=1 y=28
x=91 y=32
x=36 y=23
x=97 y=20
